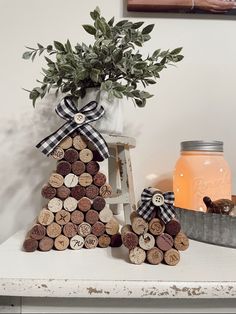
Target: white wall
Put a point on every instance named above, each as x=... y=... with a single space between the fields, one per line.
x=195 y=100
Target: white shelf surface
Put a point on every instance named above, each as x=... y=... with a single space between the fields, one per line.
x=204 y=271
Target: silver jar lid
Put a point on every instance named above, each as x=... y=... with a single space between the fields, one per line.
x=209 y=146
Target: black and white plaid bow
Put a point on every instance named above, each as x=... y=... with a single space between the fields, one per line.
x=166 y=211
x=67 y=110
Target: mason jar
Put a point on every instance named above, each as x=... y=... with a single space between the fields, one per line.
x=201 y=170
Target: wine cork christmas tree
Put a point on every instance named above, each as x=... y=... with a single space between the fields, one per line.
x=76 y=215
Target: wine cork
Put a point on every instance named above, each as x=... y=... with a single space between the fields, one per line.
x=78 y=167
x=71 y=155
x=46 y=244
x=70 y=230
x=97 y=156
x=99 y=203
x=85 y=179
x=63 y=168
x=78 y=192
x=84 y=229
x=106 y=190
x=45 y=217
x=77 y=217
x=62 y=217
x=99 y=179
x=30 y=245
x=92 y=167
x=181 y=242
x=37 y=232
x=57 y=153
x=91 y=217
x=172 y=257
x=129 y=238
x=98 y=229
x=55 y=205
x=146 y=241
x=156 y=226
x=71 y=180
x=116 y=240
x=105 y=214
x=61 y=243
x=139 y=225
x=137 y=256
x=77 y=242
x=104 y=241
x=92 y=191
x=155 y=256
x=91 y=146
x=86 y=155
x=48 y=192
x=70 y=204
x=164 y=242
x=56 y=180
x=53 y=230
x=66 y=143
x=112 y=227
x=84 y=204
x=173 y=227
x=133 y=215
x=63 y=192
x=91 y=241
x=79 y=142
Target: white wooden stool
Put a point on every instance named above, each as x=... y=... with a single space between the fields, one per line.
x=120 y=175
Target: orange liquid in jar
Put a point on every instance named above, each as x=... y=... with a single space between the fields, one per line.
x=198 y=174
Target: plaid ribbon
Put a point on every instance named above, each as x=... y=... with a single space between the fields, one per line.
x=166 y=211
x=67 y=110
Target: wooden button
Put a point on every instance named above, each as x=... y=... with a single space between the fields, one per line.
x=79 y=142
x=112 y=227
x=46 y=244
x=137 y=256
x=106 y=214
x=139 y=225
x=98 y=229
x=70 y=230
x=78 y=167
x=48 y=192
x=56 y=180
x=99 y=203
x=66 y=143
x=84 y=204
x=45 y=217
x=71 y=180
x=91 y=241
x=77 y=217
x=116 y=240
x=91 y=217
x=85 y=179
x=61 y=243
x=158 y=199
x=53 y=230
x=92 y=191
x=37 y=232
x=92 y=167
x=154 y=256
x=164 y=242
x=58 y=153
x=63 y=168
x=173 y=227
x=84 y=229
x=156 y=226
x=63 y=192
x=86 y=155
x=78 y=192
x=79 y=118
x=99 y=179
x=172 y=257
x=77 y=242
x=62 y=217
x=106 y=190
x=146 y=241
x=30 y=245
x=55 y=205
x=70 y=204
x=104 y=241
x=71 y=155
x=181 y=242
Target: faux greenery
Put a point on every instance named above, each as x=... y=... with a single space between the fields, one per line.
x=112 y=63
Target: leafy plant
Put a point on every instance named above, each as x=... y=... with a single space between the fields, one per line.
x=112 y=63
